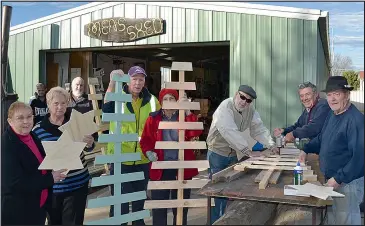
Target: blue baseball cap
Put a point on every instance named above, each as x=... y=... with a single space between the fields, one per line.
x=136 y=70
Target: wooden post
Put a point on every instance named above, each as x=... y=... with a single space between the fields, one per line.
x=94 y=100
x=180 y=192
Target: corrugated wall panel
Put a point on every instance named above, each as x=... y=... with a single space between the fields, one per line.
x=166 y=13
x=219 y=26
x=46 y=39
x=37 y=45
x=129 y=12
x=28 y=66
x=234 y=34
x=153 y=12
x=178 y=27
x=95 y=16
x=76 y=32
x=107 y=13
x=279 y=71
x=322 y=72
x=310 y=51
x=85 y=40
x=55 y=35
x=263 y=68
x=192 y=28
x=118 y=11
x=65 y=34
x=20 y=66
x=248 y=49
x=141 y=12
x=12 y=60
x=205 y=26
x=295 y=69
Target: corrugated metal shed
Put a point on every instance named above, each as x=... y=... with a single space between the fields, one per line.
x=272 y=48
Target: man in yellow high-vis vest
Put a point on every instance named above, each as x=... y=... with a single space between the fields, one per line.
x=143 y=103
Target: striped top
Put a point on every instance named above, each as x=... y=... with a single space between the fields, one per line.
x=46 y=131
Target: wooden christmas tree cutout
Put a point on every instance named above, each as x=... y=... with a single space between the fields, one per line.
x=62 y=154
x=117 y=158
x=180 y=184
x=80 y=125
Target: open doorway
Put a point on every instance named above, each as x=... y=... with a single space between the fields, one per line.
x=210 y=70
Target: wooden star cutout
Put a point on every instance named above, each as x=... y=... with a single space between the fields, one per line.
x=62 y=154
x=80 y=125
x=321 y=192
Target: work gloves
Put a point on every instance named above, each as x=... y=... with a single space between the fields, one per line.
x=152 y=156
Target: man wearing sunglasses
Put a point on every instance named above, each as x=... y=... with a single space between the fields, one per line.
x=311 y=121
x=227 y=139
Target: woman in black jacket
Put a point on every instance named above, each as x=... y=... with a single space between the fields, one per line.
x=25 y=190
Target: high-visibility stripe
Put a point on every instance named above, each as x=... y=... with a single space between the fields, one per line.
x=153 y=104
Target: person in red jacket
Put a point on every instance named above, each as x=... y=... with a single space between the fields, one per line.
x=150 y=135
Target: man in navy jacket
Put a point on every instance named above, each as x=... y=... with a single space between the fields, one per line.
x=311 y=121
x=340 y=146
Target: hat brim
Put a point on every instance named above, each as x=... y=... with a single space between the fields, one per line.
x=138 y=74
x=337 y=88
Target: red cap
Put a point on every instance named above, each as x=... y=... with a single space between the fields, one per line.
x=163 y=92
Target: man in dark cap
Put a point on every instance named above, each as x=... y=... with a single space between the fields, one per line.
x=340 y=146
x=228 y=140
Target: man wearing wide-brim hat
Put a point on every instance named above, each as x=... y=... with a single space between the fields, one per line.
x=340 y=146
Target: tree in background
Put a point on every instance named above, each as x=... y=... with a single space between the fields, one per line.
x=352 y=78
x=340 y=64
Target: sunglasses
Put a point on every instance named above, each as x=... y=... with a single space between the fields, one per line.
x=245 y=98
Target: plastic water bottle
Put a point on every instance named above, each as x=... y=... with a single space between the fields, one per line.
x=298 y=174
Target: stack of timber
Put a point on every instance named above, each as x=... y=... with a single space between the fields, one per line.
x=290 y=150
x=271 y=168
x=99 y=147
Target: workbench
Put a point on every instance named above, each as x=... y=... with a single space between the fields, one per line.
x=245 y=188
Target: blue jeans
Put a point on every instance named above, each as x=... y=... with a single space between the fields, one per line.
x=218 y=163
x=346 y=210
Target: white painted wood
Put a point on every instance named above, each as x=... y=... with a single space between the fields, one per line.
x=183 y=105
x=181 y=125
x=241 y=167
x=162 y=204
x=157 y=185
x=180 y=164
x=80 y=125
x=62 y=154
x=180 y=145
x=180 y=85
x=182 y=66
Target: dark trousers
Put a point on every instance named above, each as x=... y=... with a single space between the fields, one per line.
x=134 y=186
x=68 y=208
x=159 y=216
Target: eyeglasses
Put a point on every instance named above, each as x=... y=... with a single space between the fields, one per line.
x=245 y=98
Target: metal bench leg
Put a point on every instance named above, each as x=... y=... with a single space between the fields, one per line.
x=209 y=211
x=314 y=216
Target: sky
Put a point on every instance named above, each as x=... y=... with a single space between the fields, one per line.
x=346 y=19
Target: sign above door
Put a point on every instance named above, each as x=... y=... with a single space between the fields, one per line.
x=120 y=29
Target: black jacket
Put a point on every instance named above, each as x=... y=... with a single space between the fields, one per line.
x=82 y=105
x=21 y=181
x=39 y=108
